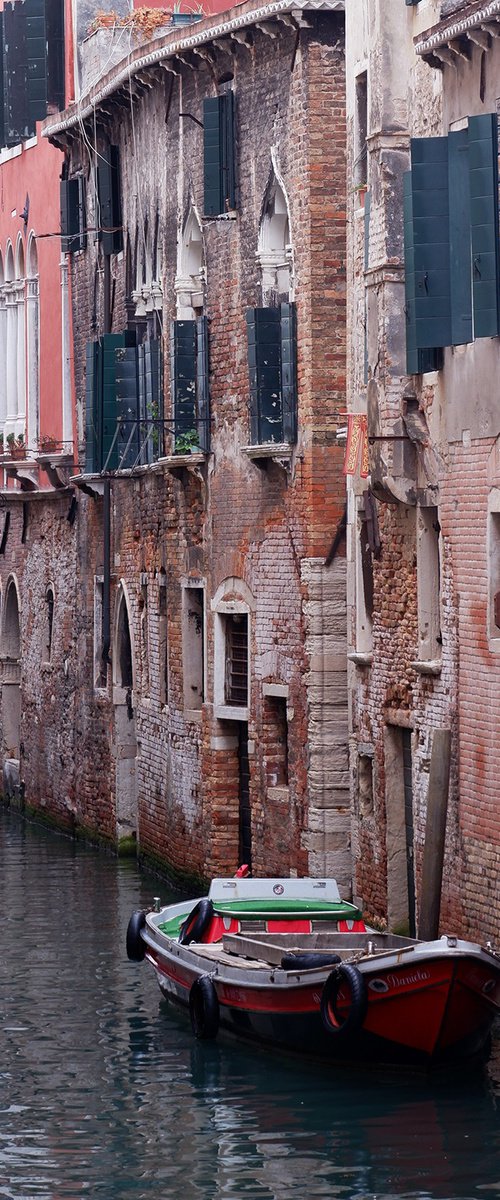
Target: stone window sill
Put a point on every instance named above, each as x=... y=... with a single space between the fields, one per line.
x=427 y=666
x=361 y=660
x=231 y=712
x=277 y=452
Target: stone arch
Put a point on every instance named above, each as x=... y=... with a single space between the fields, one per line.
x=32 y=257
x=11 y=629
x=9 y=263
x=2 y=274
x=20 y=266
x=123 y=656
x=11 y=673
x=190 y=278
x=274 y=250
x=48 y=623
x=125 y=738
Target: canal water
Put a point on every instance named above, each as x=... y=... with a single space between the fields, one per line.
x=105 y=1093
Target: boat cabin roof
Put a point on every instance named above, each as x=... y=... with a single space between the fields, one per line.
x=317 y=890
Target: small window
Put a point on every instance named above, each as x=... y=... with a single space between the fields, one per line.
x=364 y=583
x=429 y=585
x=236 y=673
x=49 y=623
x=365 y=785
x=193 y=647
x=189 y=365
x=494 y=570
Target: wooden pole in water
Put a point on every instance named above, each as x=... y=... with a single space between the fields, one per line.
x=435 y=829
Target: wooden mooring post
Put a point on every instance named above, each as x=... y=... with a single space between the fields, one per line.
x=435 y=830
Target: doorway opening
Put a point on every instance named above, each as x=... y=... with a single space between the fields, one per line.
x=400 y=830
x=125 y=727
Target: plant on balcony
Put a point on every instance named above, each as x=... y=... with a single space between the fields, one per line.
x=16 y=445
x=186 y=443
x=49 y=444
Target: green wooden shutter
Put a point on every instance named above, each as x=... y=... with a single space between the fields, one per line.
x=183 y=376
x=127 y=406
x=417 y=360
x=202 y=385
x=460 y=250
x=70 y=215
x=2 y=115
x=264 y=363
x=15 y=75
x=288 y=315
x=429 y=157
x=228 y=150
x=483 y=178
x=153 y=399
x=109 y=195
x=212 y=157
x=219 y=154
x=54 y=24
x=92 y=408
x=36 y=53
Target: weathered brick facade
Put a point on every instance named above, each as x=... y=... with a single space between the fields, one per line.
x=439 y=491
x=249 y=533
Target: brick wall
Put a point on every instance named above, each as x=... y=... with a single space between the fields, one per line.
x=261 y=531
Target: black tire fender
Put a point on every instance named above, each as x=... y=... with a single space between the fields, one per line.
x=196 y=923
x=308 y=961
x=204 y=1008
x=346 y=977
x=135 y=945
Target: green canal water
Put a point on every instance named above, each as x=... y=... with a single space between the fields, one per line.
x=104 y=1093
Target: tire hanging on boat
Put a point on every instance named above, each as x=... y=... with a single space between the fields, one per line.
x=204 y=1008
x=135 y=945
x=348 y=978
x=195 y=925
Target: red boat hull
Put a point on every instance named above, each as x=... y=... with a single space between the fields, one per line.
x=429 y=1010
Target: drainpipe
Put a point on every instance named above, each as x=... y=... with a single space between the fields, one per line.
x=106 y=586
x=106 y=518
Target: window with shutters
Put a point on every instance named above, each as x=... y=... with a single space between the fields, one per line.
x=109 y=204
x=124 y=403
x=31 y=66
x=451 y=226
x=73 y=215
x=219 y=171
x=272 y=359
x=190 y=379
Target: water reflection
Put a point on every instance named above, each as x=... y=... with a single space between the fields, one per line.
x=104 y=1093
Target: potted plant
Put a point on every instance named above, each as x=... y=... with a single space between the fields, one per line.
x=49 y=444
x=16 y=445
x=187 y=443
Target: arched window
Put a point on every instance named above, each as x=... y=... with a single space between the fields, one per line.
x=190 y=277
x=274 y=250
x=122 y=658
x=11 y=640
x=11 y=344
x=3 y=350
x=48 y=624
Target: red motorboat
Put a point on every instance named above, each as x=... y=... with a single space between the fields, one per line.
x=288 y=963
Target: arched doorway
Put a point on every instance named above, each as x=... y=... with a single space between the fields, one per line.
x=125 y=726
x=11 y=673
